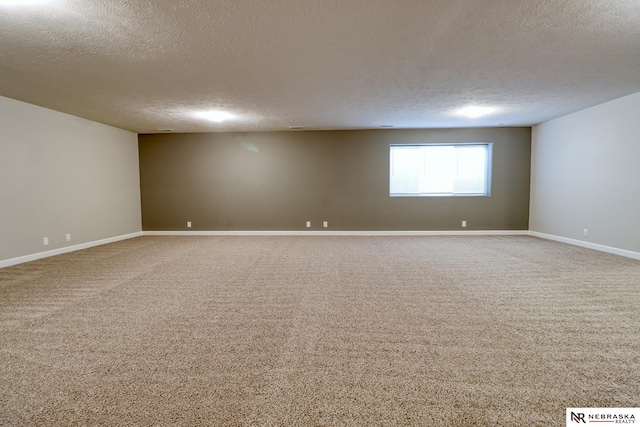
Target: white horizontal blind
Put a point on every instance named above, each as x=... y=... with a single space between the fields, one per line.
x=440 y=169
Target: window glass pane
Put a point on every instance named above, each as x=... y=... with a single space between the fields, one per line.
x=405 y=170
x=439 y=169
x=471 y=169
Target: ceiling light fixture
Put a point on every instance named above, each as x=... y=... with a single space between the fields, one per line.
x=215 y=115
x=475 y=111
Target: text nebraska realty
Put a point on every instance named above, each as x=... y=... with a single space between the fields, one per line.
x=612 y=418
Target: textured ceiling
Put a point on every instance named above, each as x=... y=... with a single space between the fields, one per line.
x=147 y=65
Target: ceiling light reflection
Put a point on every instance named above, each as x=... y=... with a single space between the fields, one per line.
x=475 y=111
x=215 y=115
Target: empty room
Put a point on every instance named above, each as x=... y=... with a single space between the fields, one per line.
x=296 y=213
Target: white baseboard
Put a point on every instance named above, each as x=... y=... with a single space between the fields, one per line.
x=588 y=245
x=341 y=233
x=67 y=249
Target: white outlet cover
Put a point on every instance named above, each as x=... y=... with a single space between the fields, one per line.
x=189 y=224
x=308 y=223
x=45 y=241
x=325 y=224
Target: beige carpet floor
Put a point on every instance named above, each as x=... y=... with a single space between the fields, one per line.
x=318 y=331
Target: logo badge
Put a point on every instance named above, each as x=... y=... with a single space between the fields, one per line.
x=581 y=416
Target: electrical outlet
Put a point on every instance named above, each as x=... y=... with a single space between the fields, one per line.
x=464 y=224
x=68 y=237
x=45 y=241
x=325 y=224
x=585 y=232
x=308 y=224
x=188 y=224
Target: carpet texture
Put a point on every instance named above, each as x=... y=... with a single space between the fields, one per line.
x=318 y=331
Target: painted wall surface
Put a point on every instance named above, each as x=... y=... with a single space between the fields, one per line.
x=280 y=180
x=61 y=174
x=585 y=175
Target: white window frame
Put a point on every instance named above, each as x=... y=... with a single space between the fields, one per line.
x=488 y=170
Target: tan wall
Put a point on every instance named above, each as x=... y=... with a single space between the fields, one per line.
x=279 y=180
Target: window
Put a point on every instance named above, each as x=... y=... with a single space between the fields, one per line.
x=440 y=169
